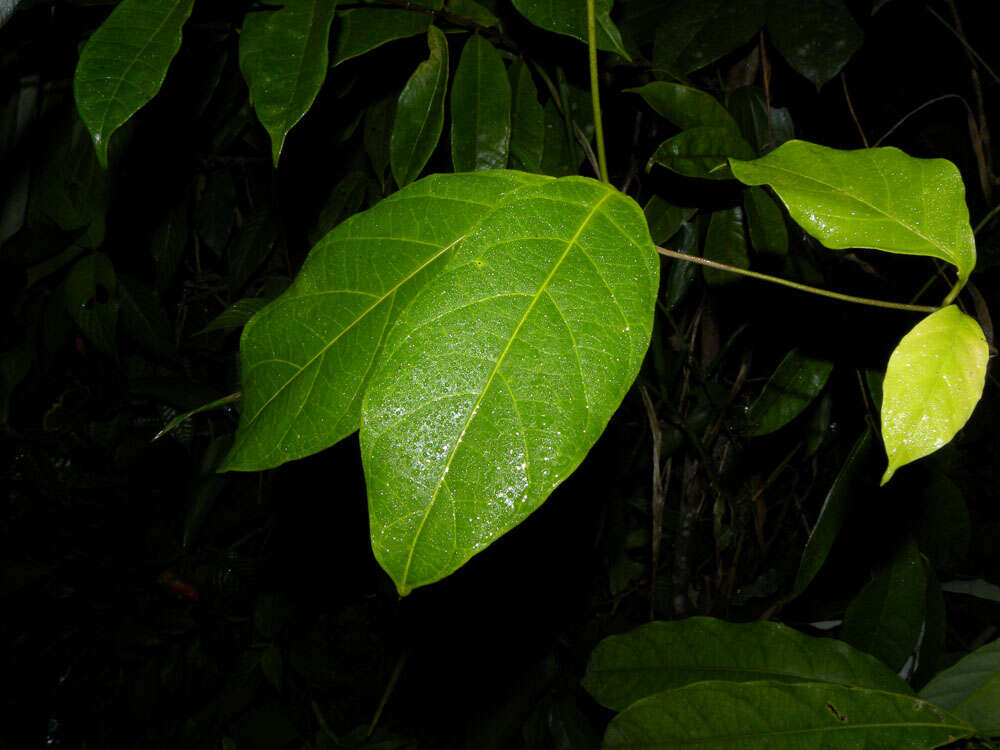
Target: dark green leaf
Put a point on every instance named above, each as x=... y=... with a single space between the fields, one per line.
x=236 y=315
x=91 y=298
x=283 y=56
x=472 y=11
x=500 y=375
x=664 y=218
x=682 y=274
x=663 y=655
x=701 y=152
x=14 y=367
x=816 y=37
x=124 y=63
x=752 y=715
x=978 y=588
x=943 y=526
x=684 y=106
x=215 y=213
x=931 y=656
x=420 y=112
x=360 y=30
x=764 y=127
x=570 y=18
x=480 y=109
x=252 y=246
x=377 y=134
x=768 y=233
x=560 y=156
x=885 y=618
x=214 y=404
x=168 y=243
x=725 y=242
x=344 y=201
x=144 y=320
x=971 y=688
x=693 y=33
x=527 y=120
x=790 y=389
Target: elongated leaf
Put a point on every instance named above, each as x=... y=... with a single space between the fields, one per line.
x=978 y=588
x=725 y=242
x=765 y=127
x=377 y=134
x=420 y=112
x=168 y=242
x=971 y=688
x=91 y=298
x=701 y=152
x=502 y=373
x=527 y=120
x=360 y=30
x=816 y=37
x=933 y=381
x=885 y=618
x=560 y=156
x=306 y=358
x=283 y=56
x=570 y=18
x=943 y=527
x=252 y=246
x=693 y=33
x=835 y=507
x=775 y=716
x=684 y=106
x=790 y=389
x=877 y=198
x=768 y=233
x=236 y=315
x=124 y=63
x=144 y=320
x=663 y=655
x=480 y=109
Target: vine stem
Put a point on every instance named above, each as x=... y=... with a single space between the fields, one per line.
x=595 y=97
x=795 y=284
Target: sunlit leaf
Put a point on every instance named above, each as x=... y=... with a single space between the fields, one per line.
x=501 y=374
x=124 y=63
x=420 y=112
x=775 y=716
x=684 y=106
x=933 y=382
x=702 y=152
x=816 y=37
x=283 y=56
x=663 y=655
x=307 y=357
x=877 y=198
x=971 y=688
x=570 y=18
x=790 y=389
x=480 y=108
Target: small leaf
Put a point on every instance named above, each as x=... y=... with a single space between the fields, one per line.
x=816 y=37
x=527 y=120
x=361 y=30
x=124 y=63
x=664 y=218
x=91 y=298
x=663 y=655
x=877 y=198
x=420 y=112
x=775 y=716
x=251 y=246
x=768 y=233
x=215 y=404
x=693 y=33
x=144 y=320
x=725 y=242
x=306 y=358
x=684 y=106
x=480 y=108
x=377 y=134
x=236 y=315
x=473 y=11
x=570 y=18
x=885 y=618
x=765 y=127
x=283 y=56
x=933 y=382
x=702 y=152
x=971 y=688
x=168 y=242
x=978 y=588
x=503 y=372
x=790 y=389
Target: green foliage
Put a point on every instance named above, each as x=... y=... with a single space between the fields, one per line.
x=480 y=109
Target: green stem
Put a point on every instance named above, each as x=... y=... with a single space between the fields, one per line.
x=953 y=293
x=595 y=97
x=795 y=284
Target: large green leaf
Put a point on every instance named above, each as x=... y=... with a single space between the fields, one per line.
x=790 y=389
x=816 y=37
x=776 y=716
x=307 y=357
x=877 y=198
x=124 y=63
x=933 y=381
x=569 y=17
x=283 y=56
x=502 y=373
x=527 y=120
x=480 y=108
x=702 y=152
x=693 y=33
x=971 y=688
x=663 y=655
x=360 y=30
x=684 y=106
x=886 y=617
x=420 y=112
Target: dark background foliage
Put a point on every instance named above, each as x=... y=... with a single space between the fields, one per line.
x=147 y=601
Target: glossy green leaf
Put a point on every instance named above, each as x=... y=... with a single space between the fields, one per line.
x=685 y=106
x=91 y=298
x=420 y=112
x=702 y=152
x=885 y=618
x=790 y=389
x=570 y=18
x=480 y=108
x=934 y=380
x=768 y=233
x=663 y=655
x=693 y=33
x=816 y=37
x=725 y=242
x=764 y=127
x=503 y=372
x=361 y=30
x=664 y=218
x=306 y=358
x=838 y=502
x=877 y=198
x=284 y=57
x=527 y=120
x=124 y=63
x=776 y=716
x=971 y=688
